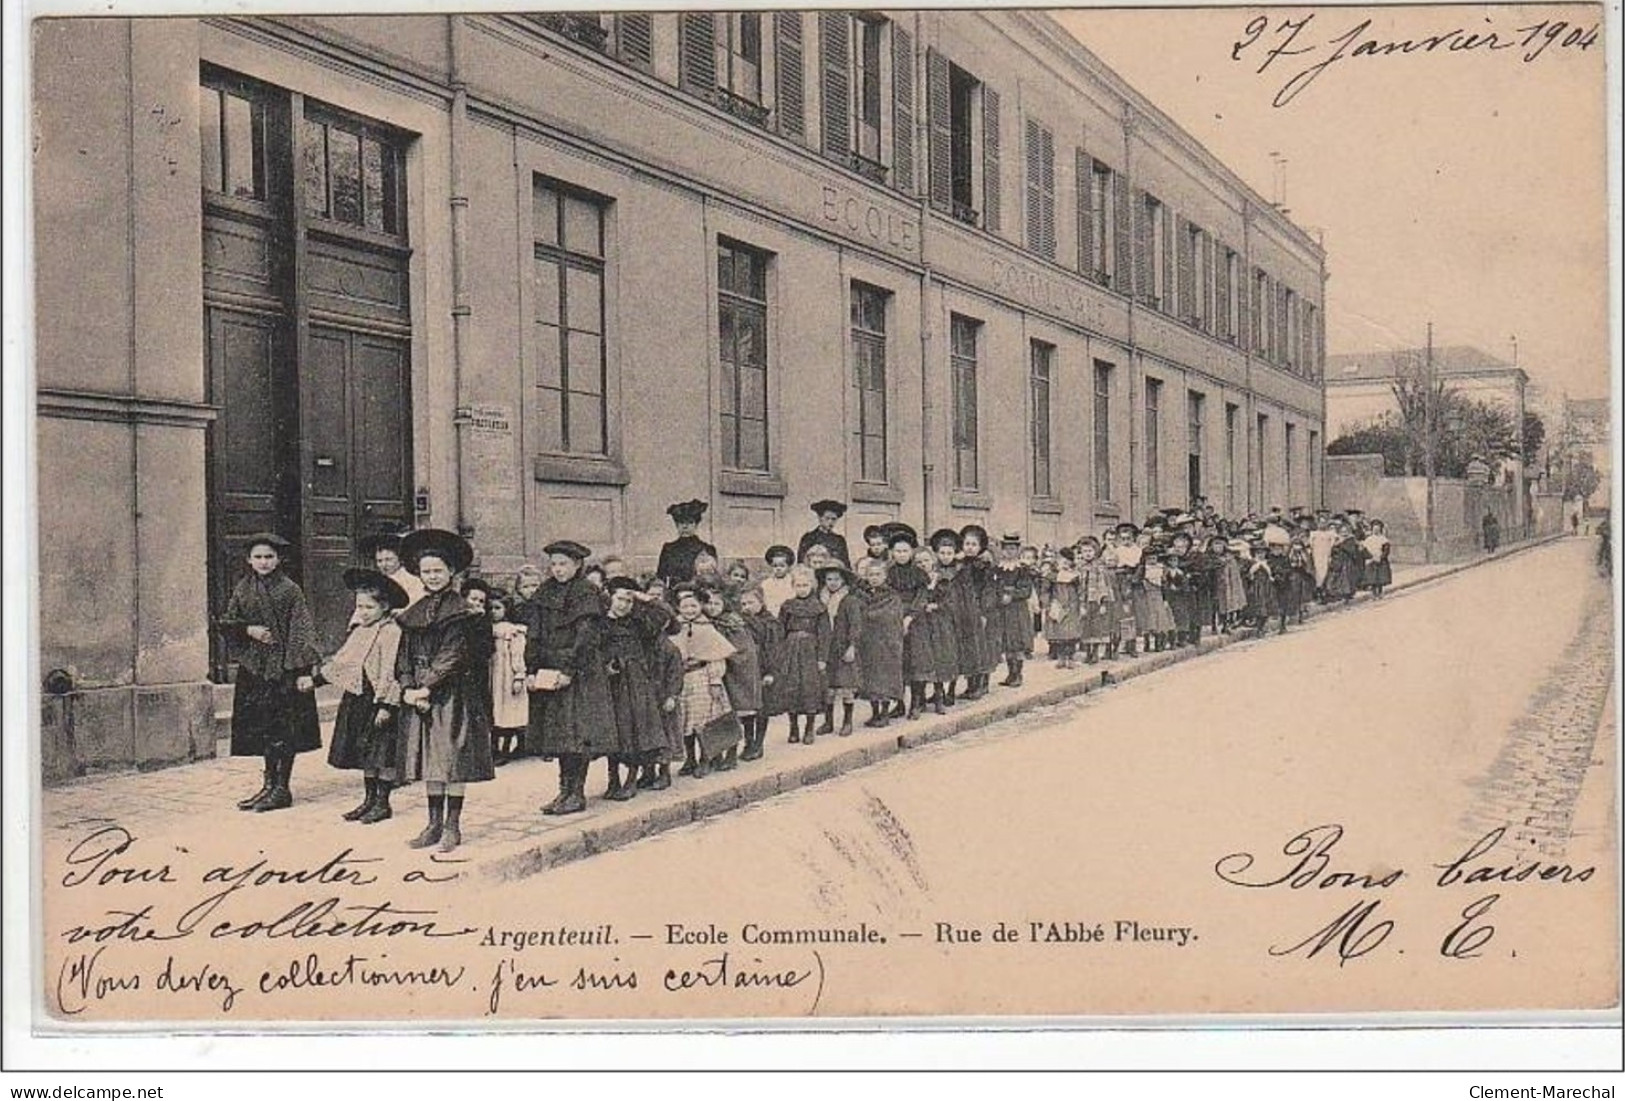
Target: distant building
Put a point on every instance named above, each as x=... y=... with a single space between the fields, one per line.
x=1360 y=386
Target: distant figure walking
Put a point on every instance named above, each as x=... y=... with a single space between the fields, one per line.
x=1574 y=523
x=1605 y=550
x=1492 y=533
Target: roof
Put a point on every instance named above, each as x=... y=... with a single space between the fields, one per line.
x=1455 y=360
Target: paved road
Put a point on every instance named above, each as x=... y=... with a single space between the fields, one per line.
x=1416 y=726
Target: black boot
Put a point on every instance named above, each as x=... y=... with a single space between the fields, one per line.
x=795 y=729
x=755 y=735
x=613 y=791
x=366 y=804
x=1014 y=679
x=916 y=701
x=662 y=779
x=267 y=782
x=437 y=824
x=898 y=710
x=564 y=788
x=279 y=797
x=451 y=835
x=379 y=811
x=877 y=708
x=828 y=725
x=846 y=720
x=620 y=791
x=730 y=756
x=691 y=763
x=575 y=800
x=807 y=735
x=941 y=699
x=887 y=710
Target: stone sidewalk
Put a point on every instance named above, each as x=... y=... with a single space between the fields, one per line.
x=504 y=834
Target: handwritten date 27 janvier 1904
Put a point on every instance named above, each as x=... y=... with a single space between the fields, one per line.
x=1362 y=929
x=1296 y=42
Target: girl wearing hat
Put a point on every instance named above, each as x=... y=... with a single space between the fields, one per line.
x=1097 y=600
x=842 y=675
x=364 y=669
x=931 y=653
x=1010 y=625
x=704 y=696
x=1347 y=565
x=909 y=582
x=1179 y=589
x=974 y=597
x=743 y=678
x=1063 y=620
x=632 y=628
x=272 y=638
x=1379 y=572
x=880 y=643
x=806 y=641
x=677 y=557
x=1229 y=582
x=571 y=717
x=445 y=719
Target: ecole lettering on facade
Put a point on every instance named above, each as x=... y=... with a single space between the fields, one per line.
x=539 y=276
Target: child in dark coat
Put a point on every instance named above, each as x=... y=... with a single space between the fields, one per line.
x=1010 y=624
x=880 y=642
x=272 y=638
x=743 y=680
x=806 y=640
x=768 y=634
x=842 y=675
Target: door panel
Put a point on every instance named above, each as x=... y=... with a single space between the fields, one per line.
x=357 y=447
x=246 y=444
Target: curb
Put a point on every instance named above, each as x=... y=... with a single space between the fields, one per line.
x=568 y=846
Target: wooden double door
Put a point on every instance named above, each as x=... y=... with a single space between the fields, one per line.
x=308 y=343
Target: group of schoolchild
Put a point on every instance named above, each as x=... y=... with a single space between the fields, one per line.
x=442 y=680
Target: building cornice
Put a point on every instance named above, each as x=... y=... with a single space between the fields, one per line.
x=92 y=405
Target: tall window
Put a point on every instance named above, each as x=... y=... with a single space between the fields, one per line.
x=1043 y=366
x=1196 y=286
x=1232 y=432
x=1155 y=244
x=1103 y=235
x=739 y=54
x=742 y=336
x=963 y=99
x=1227 y=291
x=1290 y=324
x=1193 y=438
x=962 y=361
x=868 y=36
x=1103 y=431
x=869 y=352
x=1314 y=468
x=568 y=227
x=1291 y=434
x=1153 y=438
x=352 y=173
x=1261 y=312
x=232 y=130
x=1263 y=453
x=1311 y=340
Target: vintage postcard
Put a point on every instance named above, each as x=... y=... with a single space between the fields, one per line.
x=784 y=516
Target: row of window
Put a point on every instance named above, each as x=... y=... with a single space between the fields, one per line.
x=754 y=64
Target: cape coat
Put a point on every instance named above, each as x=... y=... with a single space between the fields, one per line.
x=268 y=714
x=564 y=632
x=451 y=741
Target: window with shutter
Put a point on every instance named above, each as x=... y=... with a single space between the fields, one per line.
x=939 y=119
x=868 y=39
x=790 y=75
x=834 y=45
x=1164 y=277
x=1032 y=148
x=992 y=218
x=1209 y=286
x=1083 y=182
x=634 y=40
x=697 y=53
x=1046 y=183
x=1143 y=288
x=1122 y=214
x=902 y=70
x=1182 y=268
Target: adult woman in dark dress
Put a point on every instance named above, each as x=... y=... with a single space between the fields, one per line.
x=445 y=689
x=272 y=639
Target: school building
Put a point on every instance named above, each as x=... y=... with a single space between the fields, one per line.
x=539 y=276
